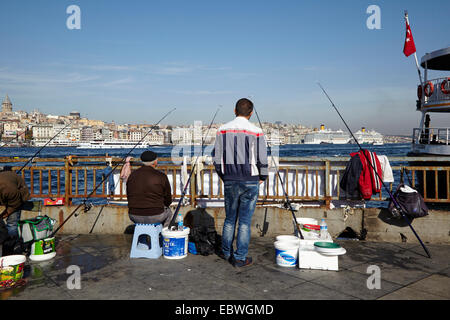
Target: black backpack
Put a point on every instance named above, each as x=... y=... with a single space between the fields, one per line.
x=202 y=232
x=411 y=203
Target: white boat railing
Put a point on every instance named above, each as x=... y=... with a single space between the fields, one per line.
x=437 y=95
x=432 y=136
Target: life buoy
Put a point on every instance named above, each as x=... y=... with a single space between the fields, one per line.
x=419 y=92
x=443 y=84
x=429 y=89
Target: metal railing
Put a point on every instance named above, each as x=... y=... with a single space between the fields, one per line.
x=432 y=136
x=305 y=179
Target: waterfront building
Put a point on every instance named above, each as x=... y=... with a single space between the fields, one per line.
x=134 y=135
x=42 y=133
x=155 y=138
x=182 y=136
x=87 y=133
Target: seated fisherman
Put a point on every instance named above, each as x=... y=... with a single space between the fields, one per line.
x=13 y=194
x=149 y=193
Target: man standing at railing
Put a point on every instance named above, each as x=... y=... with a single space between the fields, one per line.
x=240 y=160
x=13 y=194
x=149 y=193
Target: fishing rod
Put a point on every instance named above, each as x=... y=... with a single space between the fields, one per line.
x=183 y=194
x=384 y=185
x=107 y=175
x=288 y=201
x=37 y=152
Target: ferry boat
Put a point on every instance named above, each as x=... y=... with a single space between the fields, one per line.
x=326 y=136
x=433 y=100
x=112 y=144
x=434 y=142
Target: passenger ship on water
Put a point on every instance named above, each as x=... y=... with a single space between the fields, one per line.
x=427 y=140
x=112 y=144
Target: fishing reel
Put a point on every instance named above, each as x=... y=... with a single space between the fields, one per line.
x=396 y=214
x=86 y=207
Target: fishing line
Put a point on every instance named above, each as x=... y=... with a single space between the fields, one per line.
x=172 y=221
x=37 y=152
x=384 y=185
x=16 y=138
x=107 y=175
x=288 y=202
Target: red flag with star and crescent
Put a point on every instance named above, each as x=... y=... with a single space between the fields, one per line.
x=409 y=47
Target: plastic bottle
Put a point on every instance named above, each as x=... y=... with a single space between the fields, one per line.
x=323 y=230
x=180 y=222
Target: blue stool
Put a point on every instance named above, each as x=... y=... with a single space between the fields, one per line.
x=147 y=241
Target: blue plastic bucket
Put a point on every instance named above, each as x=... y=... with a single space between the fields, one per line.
x=175 y=243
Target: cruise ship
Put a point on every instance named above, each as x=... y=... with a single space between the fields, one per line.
x=368 y=137
x=112 y=144
x=326 y=136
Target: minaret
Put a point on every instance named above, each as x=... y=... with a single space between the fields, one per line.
x=6 y=105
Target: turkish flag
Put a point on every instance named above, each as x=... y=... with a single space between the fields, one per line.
x=409 y=47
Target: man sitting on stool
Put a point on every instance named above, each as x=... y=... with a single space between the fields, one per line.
x=149 y=193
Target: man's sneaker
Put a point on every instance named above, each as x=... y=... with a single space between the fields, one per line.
x=222 y=256
x=243 y=263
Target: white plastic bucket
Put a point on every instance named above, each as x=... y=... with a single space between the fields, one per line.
x=175 y=243
x=286 y=253
x=11 y=269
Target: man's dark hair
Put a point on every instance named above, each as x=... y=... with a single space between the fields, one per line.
x=244 y=107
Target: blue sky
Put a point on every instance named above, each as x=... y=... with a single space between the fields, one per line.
x=133 y=60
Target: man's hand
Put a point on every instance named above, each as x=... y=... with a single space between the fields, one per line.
x=261 y=181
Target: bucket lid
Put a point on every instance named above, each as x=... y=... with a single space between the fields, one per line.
x=175 y=234
x=12 y=260
x=327 y=245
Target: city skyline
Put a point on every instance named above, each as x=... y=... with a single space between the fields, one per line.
x=133 y=61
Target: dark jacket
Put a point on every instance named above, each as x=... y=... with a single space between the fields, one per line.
x=148 y=192
x=350 y=180
x=13 y=191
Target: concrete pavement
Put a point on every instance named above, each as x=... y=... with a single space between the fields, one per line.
x=107 y=272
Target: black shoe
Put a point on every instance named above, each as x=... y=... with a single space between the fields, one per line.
x=242 y=263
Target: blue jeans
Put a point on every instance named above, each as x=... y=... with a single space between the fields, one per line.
x=240 y=203
x=11 y=223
